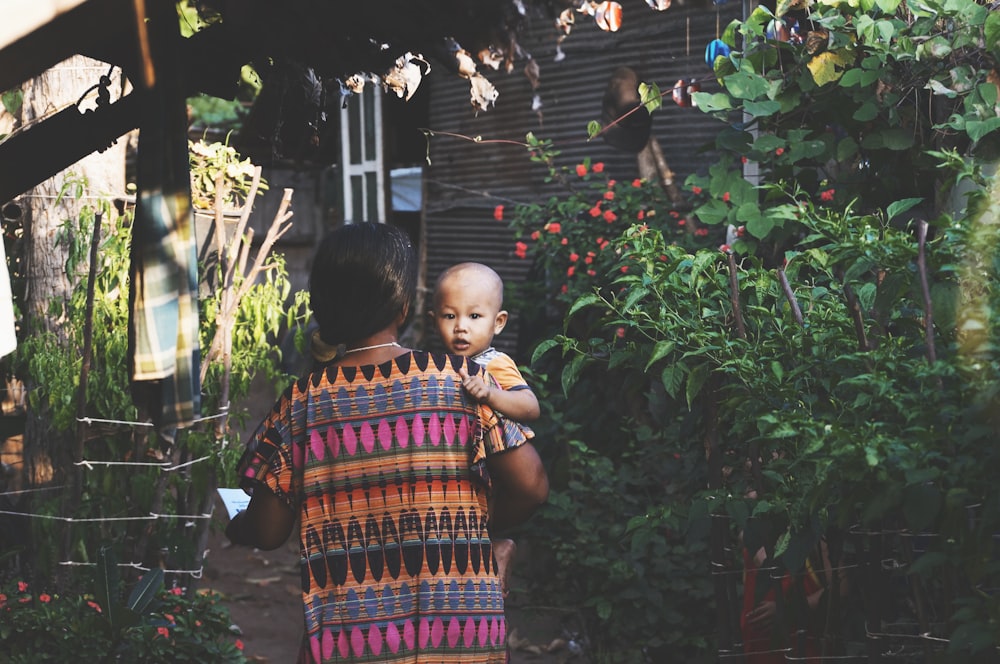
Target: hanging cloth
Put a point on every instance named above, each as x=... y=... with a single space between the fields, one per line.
x=163 y=323
x=8 y=333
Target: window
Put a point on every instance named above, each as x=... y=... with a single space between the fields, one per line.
x=361 y=156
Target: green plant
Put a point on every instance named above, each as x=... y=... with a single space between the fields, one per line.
x=217 y=169
x=151 y=625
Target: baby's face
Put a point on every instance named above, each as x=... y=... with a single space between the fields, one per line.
x=467 y=316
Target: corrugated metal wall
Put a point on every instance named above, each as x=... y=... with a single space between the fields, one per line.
x=466 y=179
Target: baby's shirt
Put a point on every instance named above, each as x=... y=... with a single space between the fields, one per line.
x=502 y=368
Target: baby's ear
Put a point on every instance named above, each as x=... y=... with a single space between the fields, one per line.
x=501 y=321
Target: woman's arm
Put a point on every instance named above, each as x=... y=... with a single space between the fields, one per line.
x=520 y=486
x=266 y=523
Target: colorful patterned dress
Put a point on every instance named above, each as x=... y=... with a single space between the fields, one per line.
x=396 y=561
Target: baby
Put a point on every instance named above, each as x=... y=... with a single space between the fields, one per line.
x=468 y=312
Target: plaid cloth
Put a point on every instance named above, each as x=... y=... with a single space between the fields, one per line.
x=163 y=323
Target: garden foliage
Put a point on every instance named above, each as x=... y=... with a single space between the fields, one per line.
x=808 y=355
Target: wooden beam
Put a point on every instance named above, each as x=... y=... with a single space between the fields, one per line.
x=37 y=153
x=52 y=30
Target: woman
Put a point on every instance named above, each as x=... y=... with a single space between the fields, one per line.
x=371 y=454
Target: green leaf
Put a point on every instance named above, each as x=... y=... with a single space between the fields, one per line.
x=12 y=101
x=584 y=301
x=979 y=128
x=660 y=350
x=747 y=85
x=898 y=207
x=650 y=96
x=867 y=111
x=571 y=372
x=107 y=588
x=709 y=102
x=593 y=128
x=760 y=227
x=762 y=109
x=696 y=380
x=782 y=544
x=672 y=378
x=712 y=212
x=543 y=348
x=145 y=591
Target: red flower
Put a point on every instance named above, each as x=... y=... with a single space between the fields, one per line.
x=94 y=605
x=610 y=216
x=239 y=644
x=536 y=235
x=588 y=260
x=570 y=271
x=674 y=213
x=743 y=159
x=604 y=245
x=611 y=183
x=696 y=190
x=520 y=249
x=45 y=598
x=599 y=167
x=609 y=195
x=725 y=197
x=600 y=241
x=498 y=213
x=827 y=195
x=637 y=182
x=663 y=257
x=641 y=215
x=177 y=591
x=701 y=232
x=643 y=228
x=22 y=587
x=591 y=273
x=553 y=227
x=169 y=617
x=564 y=242
x=564 y=289
x=574 y=257
x=596 y=210
x=620 y=333
x=3 y=599
x=779 y=151
x=724 y=248
x=581 y=169
x=681 y=222
x=624 y=269
x=741 y=231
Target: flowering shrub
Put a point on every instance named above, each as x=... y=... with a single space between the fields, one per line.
x=569 y=237
x=40 y=626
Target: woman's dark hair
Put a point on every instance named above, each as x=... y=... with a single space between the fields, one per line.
x=364 y=275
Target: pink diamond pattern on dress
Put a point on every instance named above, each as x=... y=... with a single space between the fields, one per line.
x=402 y=433
x=350 y=440
x=375 y=640
x=317 y=445
x=418 y=431
x=343 y=645
x=392 y=638
x=367 y=437
x=385 y=435
x=434 y=430
x=327 y=644
x=454 y=632
x=449 y=429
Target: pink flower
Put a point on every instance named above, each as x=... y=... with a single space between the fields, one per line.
x=643 y=228
x=604 y=245
x=45 y=598
x=498 y=213
x=743 y=159
x=701 y=232
x=591 y=273
x=724 y=248
x=163 y=631
x=239 y=644
x=624 y=269
x=536 y=235
x=779 y=151
x=827 y=195
x=564 y=241
x=637 y=182
x=663 y=257
x=696 y=190
x=22 y=587
x=570 y=271
x=681 y=222
x=553 y=227
x=725 y=197
x=611 y=183
x=589 y=259
x=177 y=591
x=596 y=210
x=741 y=231
x=581 y=169
x=574 y=257
x=600 y=240
x=599 y=167
x=609 y=195
x=640 y=215
x=610 y=216
x=94 y=605
x=169 y=617
x=520 y=249
x=564 y=289
x=620 y=333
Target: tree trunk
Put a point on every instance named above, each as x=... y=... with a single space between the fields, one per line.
x=49 y=456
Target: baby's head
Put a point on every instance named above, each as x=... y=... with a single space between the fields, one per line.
x=467 y=313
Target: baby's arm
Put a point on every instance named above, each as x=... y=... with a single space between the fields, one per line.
x=518 y=405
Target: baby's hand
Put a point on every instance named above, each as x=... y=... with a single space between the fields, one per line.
x=477 y=388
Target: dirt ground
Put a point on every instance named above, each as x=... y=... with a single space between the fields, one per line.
x=261 y=590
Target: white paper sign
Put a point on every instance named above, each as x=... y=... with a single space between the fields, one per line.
x=235 y=500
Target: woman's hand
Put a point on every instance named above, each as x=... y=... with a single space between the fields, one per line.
x=761 y=617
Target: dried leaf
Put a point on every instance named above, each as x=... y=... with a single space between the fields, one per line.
x=609 y=16
x=405 y=77
x=466 y=65
x=829 y=66
x=483 y=94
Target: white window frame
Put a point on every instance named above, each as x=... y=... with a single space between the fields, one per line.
x=370 y=165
